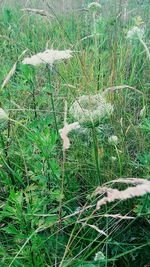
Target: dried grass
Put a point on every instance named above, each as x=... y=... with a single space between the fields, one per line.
x=12 y=71
x=120 y=87
x=40 y=12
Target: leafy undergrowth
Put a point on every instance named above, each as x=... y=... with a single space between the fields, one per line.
x=48 y=214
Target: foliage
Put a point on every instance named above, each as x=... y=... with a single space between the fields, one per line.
x=47 y=214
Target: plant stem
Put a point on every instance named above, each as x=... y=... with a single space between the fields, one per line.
x=94 y=28
x=52 y=100
x=119 y=160
x=95 y=141
x=34 y=100
x=145 y=47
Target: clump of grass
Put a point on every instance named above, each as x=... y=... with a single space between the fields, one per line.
x=48 y=214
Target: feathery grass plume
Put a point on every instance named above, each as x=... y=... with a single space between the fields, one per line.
x=142 y=187
x=10 y=74
x=95 y=228
x=49 y=56
x=131 y=181
x=12 y=71
x=89 y=110
x=67 y=129
x=40 y=12
x=3 y=115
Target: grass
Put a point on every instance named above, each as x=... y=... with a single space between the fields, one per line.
x=47 y=213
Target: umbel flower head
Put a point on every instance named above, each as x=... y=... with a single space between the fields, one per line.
x=3 y=115
x=99 y=256
x=90 y=110
x=94 y=7
x=135 y=32
x=113 y=140
x=49 y=56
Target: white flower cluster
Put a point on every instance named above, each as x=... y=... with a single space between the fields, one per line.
x=135 y=32
x=99 y=256
x=49 y=56
x=3 y=115
x=89 y=110
x=113 y=140
x=94 y=6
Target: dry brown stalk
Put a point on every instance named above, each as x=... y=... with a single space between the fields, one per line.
x=40 y=12
x=95 y=228
x=120 y=87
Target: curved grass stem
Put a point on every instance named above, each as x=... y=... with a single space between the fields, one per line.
x=95 y=141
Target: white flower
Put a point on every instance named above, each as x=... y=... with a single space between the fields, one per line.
x=113 y=159
x=135 y=32
x=94 y=6
x=89 y=110
x=99 y=256
x=49 y=56
x=113 y=140
x=3 y=115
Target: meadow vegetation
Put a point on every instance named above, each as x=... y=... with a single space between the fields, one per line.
x=75 y=137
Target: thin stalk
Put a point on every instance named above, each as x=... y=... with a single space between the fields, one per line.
x=94 y=28
x=63 y=167
x=52 y=100
x=34 y=100
x=99 y=70
x=119 y=160
x=7 y=161
x=62 y=187
x=145 y=47
x=95 y=141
